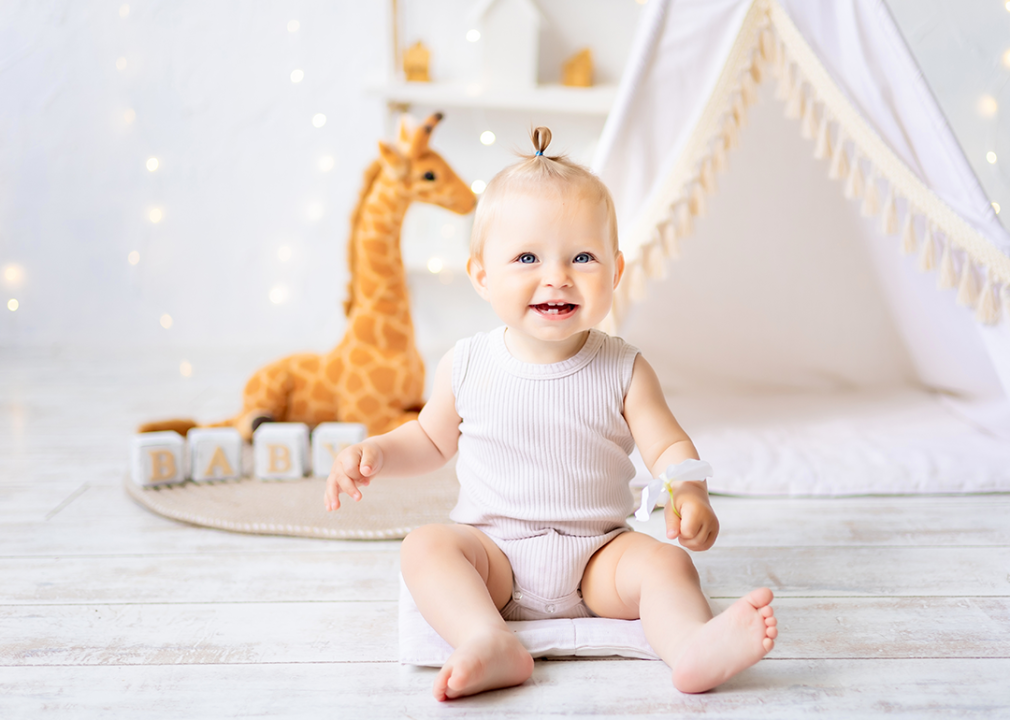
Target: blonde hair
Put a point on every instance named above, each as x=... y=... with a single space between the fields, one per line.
x=541 y=173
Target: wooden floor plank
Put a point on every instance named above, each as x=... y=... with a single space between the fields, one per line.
x=369 y=572
x=299 y=632
x=774 y=689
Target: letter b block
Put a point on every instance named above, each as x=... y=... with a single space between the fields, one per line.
x=281 y=451
x=215 y=454
x=330 y=438
x=158 y=458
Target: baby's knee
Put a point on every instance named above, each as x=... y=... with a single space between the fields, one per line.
x=673 y=560
x=424 y=542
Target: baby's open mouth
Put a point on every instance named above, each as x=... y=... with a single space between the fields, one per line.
x=555 y=309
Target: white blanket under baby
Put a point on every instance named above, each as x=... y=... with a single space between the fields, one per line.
x=579 y=637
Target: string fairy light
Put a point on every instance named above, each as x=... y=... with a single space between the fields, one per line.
x=152 y=164
x=297 y=75
x=165 y=321
x=129 y=115
x=278 y=294
x=124 y=11
x=293 y=26
x=487 y=137
x=991 y=157
x=155 y=215
x=13 y=274
x=435 y=265
x=133 y=258
x=318 y=120
x=284 y=253
x=13 y=304
x=473 y=35
x=186 y=368
x=326 y=163
x=478 y=186
x=995 y=206
x=121 y=63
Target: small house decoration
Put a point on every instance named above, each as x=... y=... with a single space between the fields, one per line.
x=577 y=70
x=510 y=42
x=415 y=63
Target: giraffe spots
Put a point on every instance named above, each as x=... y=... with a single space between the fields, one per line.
x=382 y=269
x=395 y=340
x=368 y=287
x=364 y=329
x=360 y=357
x=309 y=364
x=368 y=405
x=323 y=394
x=376 y=248
x=334 y=369
x=354 y=382
x=299 y=409
x=382 y=379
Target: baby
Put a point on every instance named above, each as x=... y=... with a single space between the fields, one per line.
x=544 y=412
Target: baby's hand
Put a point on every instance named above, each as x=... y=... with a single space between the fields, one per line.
x=353 y=467
x=697 y=526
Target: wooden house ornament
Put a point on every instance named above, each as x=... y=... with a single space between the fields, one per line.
x=415 y=63
x=578 y=69
x=510 y=42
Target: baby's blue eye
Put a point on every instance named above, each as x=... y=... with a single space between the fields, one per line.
x=583 y=257
x=527 y=258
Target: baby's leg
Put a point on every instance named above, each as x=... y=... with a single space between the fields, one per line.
x=636 y=576
x=459 y=580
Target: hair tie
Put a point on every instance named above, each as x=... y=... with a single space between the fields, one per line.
x=540 y=152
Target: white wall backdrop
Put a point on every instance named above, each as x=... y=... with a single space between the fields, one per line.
x=251 y=199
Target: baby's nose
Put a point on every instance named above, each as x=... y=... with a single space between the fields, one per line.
x=556 y=274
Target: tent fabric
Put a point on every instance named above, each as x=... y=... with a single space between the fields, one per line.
x=788 y=281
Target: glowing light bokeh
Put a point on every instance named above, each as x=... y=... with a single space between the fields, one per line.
x=124 y=11
x=1006 y=59
x=13 y=274
x=121 y=64
x=991 y=157
x=152 y=164
x=166 y=321
x=326 y=163
x=478 y=186
x=155 y=215
x=318 y=120
x=133 y=258
x=297 y=75
x=129 y=115
x=284 y=253
x=473 y=35
x=487 y=137
x=278 y=294
x=186 y=368
x=293 y=26
x=435 y=265
x=995 y=206
x=13 y=304
x=987 y=106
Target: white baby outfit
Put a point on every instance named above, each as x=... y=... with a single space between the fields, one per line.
x=543 y=462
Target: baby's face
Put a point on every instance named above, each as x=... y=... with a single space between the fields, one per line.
x=548 y=268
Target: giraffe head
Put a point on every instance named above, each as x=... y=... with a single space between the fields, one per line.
x=422 y=172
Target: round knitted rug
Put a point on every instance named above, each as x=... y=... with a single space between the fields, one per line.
x=389 y=508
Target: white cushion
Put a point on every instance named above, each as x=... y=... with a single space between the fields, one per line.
x=579 y=637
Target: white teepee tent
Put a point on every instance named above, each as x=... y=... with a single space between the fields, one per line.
x=809 y=333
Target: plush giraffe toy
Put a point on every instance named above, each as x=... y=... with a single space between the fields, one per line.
x=375 y=376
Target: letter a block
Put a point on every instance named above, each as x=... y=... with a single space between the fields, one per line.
x=215 y=454
x=158 y=458
x=281 y=451
x=330 y=438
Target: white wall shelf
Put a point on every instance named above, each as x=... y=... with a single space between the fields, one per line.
x=595 y=100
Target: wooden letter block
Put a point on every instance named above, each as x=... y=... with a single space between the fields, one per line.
x=330 y=438
x=158 y=458
x=215 y=454
x=281 y=451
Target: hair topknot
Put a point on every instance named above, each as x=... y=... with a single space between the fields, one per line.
x=541 y=137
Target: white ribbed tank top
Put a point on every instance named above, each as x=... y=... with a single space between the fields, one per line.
x=543 y=446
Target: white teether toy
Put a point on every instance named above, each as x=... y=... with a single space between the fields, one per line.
x=687 y=470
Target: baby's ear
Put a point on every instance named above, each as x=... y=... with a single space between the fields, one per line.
x=618 y=268
x=478 y=276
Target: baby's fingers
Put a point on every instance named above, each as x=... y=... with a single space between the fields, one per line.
x=371 y=462
x=673 y=521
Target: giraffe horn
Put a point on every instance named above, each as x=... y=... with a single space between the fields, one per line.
x=422 y=135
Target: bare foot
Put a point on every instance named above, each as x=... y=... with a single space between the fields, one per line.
x=495 y=659
x=728 y=643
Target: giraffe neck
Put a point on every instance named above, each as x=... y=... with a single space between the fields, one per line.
x=379 y=281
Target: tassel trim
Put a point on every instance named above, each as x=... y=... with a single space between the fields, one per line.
x=770 y=54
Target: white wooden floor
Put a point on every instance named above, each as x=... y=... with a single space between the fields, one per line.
x=892 y=606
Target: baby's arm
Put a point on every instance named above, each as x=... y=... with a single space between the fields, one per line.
x=414 y=448
x=663 y=442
